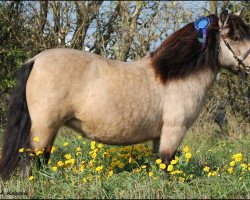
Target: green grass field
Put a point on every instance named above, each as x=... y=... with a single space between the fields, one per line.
x=209 y=165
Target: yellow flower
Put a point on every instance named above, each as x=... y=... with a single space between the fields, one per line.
x=230 y=170
x=237 y=157
x=186 y=149
x=150 y=174
x=53 y=149
x=60 y=163
x=31 y=178
x=120 y=164
x=173 y=162
x=84 y=180
x=65 y=144
x=78 y=149
x=143 y=166
x=39 y=152
x=93 y=143
x=100 y=146
x=70 y=161
x=130 y=160
x=209 y=174
x=36 y=139
x=21 y=150
x=170 y=168
x=232 y=163
x=181 y=179
x=54 y=168
x=158 y=161
x=188 y=156
x=206 y=169
x=162 y=166
x=67 y=156
x=110 y=173
x=78 y=153
x=79 y=137
x=82 y=168
x=84 y=142
x=243 y=166
x=137 y=170
x=99 y=169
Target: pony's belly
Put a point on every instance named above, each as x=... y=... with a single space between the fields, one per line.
x=122 y=134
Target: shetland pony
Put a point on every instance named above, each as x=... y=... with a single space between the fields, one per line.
x=119 y=103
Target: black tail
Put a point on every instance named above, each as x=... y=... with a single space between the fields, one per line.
x=18 y=125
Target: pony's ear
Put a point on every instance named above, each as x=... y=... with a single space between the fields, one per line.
x=240 y=12
x=223 y=18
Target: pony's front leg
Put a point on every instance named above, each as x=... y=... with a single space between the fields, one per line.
x=171 y=138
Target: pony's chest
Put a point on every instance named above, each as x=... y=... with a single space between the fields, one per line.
x=182 y=105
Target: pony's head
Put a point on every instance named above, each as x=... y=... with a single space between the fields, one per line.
x=234 y=43
x=225 y=45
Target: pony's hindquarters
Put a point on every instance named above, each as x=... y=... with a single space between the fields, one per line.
x=16 y=135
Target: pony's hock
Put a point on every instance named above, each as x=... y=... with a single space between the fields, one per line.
x=157 y=97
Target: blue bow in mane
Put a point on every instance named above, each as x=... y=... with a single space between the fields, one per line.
x=201 y=25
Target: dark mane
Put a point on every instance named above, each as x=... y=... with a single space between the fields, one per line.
x=238 y=30
x=181 y=54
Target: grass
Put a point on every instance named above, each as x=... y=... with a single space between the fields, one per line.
x=130 y=179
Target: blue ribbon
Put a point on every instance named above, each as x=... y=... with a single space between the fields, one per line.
x=201 y=25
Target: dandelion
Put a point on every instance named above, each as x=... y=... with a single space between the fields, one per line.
x=237 y=157
x=54 y=168
x=21 y=150
x=209 y=174
x=143 y=166
x=78 y=153
x=79 y=137
x=206 y=169
x=39 y=152
x=173 y=162
x=53 y=149
x=78 y=149
x=70 y=161
x=232 y=163
x=186 y=149
x=158 y=161
x=67 y=156
x=170 y=168
x=162 y=166
x=130 y=160
x=93 y=143
x=82 y=168
x=65 y=144
x=110 y=173
x=31 y=178
x=36 y=139
x=243 y=166
x=60 y=163
x=99 y=169
x=137 y=170
x=230 y=170
x=150 y=174
x=181 y=179
x=188 y=156
x=84 y=180
x=100 y=146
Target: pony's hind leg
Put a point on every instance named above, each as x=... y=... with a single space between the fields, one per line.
x=42 y=137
